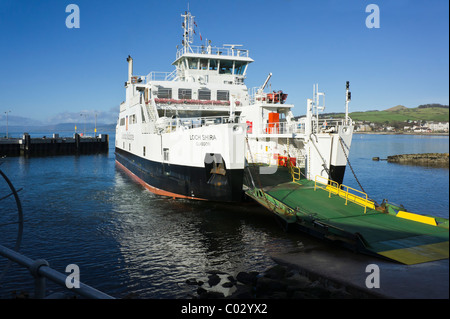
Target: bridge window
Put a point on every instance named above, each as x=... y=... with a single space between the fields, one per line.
x=225 y=67
x=213 y=65
x=193 y=64
x=204 y=64
x=239 y=67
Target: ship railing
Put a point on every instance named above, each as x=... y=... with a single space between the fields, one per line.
x=328 y=123
x=160 y=76
x=283 y=128
x=274 y=97
x=348 y=193
x=189 y=123
x=189 y=102
x=201 y=49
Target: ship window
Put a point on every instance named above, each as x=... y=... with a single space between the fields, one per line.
x=213 y=65
x=143 y=151
x=225 y=67
x=185 y=94
x=193 y=64
x=204 y=94
x=164 y=93
x=166 y=154
x=204 y=64
x=223 y=95
x=122 y=121
x=239 y=67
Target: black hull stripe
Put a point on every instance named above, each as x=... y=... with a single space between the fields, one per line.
x=184 y=181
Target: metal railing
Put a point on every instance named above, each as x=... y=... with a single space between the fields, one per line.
x=295 y=172
x=346 y=192
x=160 y=76
x=283 y=128
x=172 y=125
x=201 y=49
x=41 y=271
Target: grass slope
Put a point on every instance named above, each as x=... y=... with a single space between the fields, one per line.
x=400 y=115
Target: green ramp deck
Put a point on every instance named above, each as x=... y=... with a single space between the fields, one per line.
x=325 y=211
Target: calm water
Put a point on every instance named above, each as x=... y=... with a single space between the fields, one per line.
x=84 y=210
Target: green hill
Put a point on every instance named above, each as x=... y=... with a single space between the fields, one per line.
x=400 y=114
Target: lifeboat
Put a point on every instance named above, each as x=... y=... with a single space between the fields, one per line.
x=277 y=97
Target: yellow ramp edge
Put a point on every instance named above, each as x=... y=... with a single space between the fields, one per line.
x=418 y=218
x=419 y=254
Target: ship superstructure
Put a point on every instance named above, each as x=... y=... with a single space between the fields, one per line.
x=178 y=132
x=310 y=145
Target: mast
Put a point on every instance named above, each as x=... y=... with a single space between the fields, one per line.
x=188 y=31
x=348 y=97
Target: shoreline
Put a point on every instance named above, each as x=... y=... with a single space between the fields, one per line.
x=403 y=133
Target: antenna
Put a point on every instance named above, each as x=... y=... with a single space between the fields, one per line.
x=188 y=28
x=316 y=103
x=348 y=97
x=232 y=46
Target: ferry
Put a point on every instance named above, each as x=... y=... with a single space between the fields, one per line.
x=198 y=132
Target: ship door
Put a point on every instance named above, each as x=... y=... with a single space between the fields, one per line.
x=215 y=170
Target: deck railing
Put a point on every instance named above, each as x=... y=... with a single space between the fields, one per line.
x=202 y=49
x=346 y=192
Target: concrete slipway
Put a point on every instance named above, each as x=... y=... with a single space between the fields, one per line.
x=343 y=268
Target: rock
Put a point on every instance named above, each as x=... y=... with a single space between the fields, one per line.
x=247 y=278
x=425 y=159
x=227 y=284
x=231 y=279
x=201 y=291
x=213 y=280
x=192 y=281
x=216 y=272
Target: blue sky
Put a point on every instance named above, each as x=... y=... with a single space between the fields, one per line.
x=50 y=74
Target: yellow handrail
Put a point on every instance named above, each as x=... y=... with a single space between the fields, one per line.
x=295 y=172
x=330 y=185
x=344 y=192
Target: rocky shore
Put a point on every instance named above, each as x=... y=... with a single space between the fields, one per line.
x=277 y=282
x=426 y=159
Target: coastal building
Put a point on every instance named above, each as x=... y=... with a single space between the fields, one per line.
x=437 y=126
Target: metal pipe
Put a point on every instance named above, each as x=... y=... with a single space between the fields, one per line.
x=41 y=270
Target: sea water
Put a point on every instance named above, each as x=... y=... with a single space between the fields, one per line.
x=125 y=240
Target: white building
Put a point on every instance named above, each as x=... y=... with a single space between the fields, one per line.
x=438 y=126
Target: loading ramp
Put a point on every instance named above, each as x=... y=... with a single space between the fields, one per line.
x=341 y=214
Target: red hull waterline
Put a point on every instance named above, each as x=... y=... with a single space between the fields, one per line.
x=152 y=189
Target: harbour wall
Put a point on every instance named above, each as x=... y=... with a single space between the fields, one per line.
x=55 y=145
